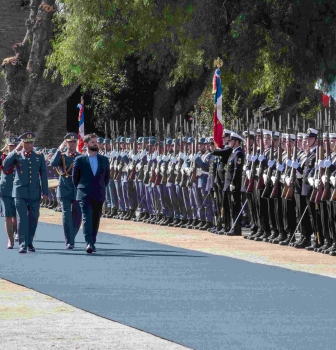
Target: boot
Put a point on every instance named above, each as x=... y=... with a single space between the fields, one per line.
x=172 y=224
x=194 y=223
x=207 y=225
x=167 y=222
x=252 y=233
x=160 y=221
x=282 y=237
x=189 y=222
x=139 y=218
x=256 y=235
x=331 y=249
x=265 y=235
x=286 y=241
x=302 y=244
x=273 y=236
x=182 y=222
x=327 y=244
x=153 y=221
x=200 y=224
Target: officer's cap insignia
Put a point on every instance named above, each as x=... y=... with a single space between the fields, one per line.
x=29 y=136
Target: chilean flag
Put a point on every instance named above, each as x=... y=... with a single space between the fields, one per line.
x=218 y=119
x=81 y=127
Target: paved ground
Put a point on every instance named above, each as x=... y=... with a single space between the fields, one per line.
x=235 y=247
x=200 y=300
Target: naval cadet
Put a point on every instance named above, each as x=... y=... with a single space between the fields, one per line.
x=6 y=189
x=66 y=191
x=29 y=183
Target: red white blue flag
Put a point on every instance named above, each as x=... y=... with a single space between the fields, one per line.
x=218 y=118
x=80 y=127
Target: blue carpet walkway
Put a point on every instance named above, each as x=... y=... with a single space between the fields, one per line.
x=199 y=300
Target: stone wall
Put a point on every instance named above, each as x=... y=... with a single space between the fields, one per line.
x=13 y=18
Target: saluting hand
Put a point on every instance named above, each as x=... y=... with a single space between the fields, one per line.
x=63 y=144
x=19 y=147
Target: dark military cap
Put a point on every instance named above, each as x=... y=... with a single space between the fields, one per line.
x=107 y=141
x=27 y=137
x=169 y=142
x=100 y=140
x=12 y=141
x=202 y=140
x=72 y=136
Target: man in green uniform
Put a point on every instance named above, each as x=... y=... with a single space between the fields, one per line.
x=30 y=183
x=66 y=191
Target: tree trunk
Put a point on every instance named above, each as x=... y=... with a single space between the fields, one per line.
x=30 y=98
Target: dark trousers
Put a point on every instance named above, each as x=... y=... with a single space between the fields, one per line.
x=91 y=212
x=235 y=208
x=331 y=206
x=253 y=211
x=263 y=212
x=305 y=226
x=289 y=215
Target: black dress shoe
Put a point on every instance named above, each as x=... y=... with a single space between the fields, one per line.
x=16 y=237
x=302 y=244
x=327 y=244
x=262 y=237
x=255 y=235
x=172 y=224
x=207 y=225
x=193 y=223
x=282 y=237
x=89 y=249
x=22 y=251
x=189 y=222
x=182 y=222
x=252 y=233
x=233 y=233
x=69 y=247
x=10 y=247
x=221 y=232
x=166 y=222
x=31 y=248
x=94 y=248
x=199 y=225
x=331 y=249
x=270 y=239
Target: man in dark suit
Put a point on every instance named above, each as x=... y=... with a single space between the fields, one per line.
x=91 y=175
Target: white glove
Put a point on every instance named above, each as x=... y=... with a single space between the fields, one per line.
x=270 y=163
x=282 y=178
x=244 y=168
x=311 y=181
x=288 y=181
x=316 y=183
x=249 y=157
x=323 y=179
x=135 y=157
x=254 y=158
x=195 y=157
x=162 y=168
x=165 y=158
x=299 y=175
x=181 y=155
x=116 y=154
x=174 y=160
x=333 y=180
x=273 y=179
x=261 y=158
x=232 y=187
x=321 y=163
x=280 y=167
x=143 y=153
x=265 y=178
x=159 y=158
x=248 y=174
x=327 y=163
x=155 y=154
x=295 y=165
x=289 y=162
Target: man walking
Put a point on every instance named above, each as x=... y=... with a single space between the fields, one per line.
x=29 y=183
x=91 y=175
x=66 y=192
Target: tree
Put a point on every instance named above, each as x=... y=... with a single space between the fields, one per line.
x=31 y=97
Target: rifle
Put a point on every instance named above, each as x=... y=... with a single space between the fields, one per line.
x=171 y=177
x=267 y=190
x=116 y=170
x=121 y=164
x=157 y=136
x=193 y=177
x=112 y=149
x=184 y=177
x=275 y=190
x=250 y=187
x=322 y=170
x=245 y=180
x=163 y=176
x=180 y=163
x=290 y=191
x=327 y=163
x=132 y=170
x=141 y=170
x=260 y=184
x=317 y=169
